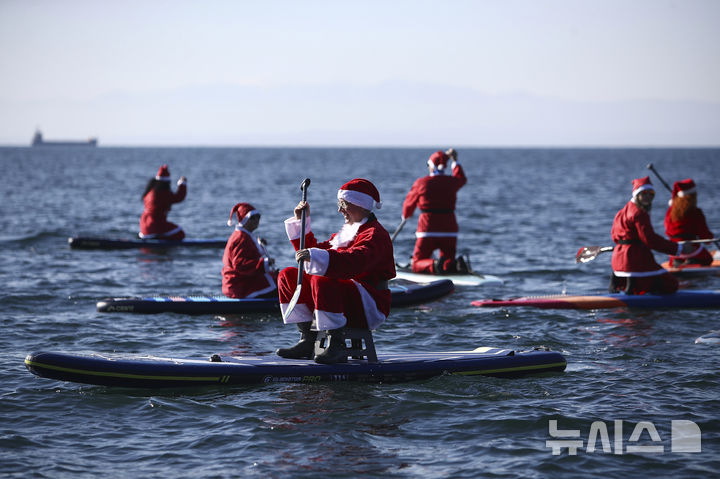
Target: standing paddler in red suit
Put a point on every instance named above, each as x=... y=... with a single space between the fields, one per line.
x=247 y=269
x=158 y=198
x=435 y=195
x=634 y=268
x=347 y=276
x=685 y=221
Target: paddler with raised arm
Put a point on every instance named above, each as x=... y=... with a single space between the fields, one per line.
x=685 y=221
x=435 y=196
x=635 y=270
x=248 y=271
x=346 y=280
x=158 y=198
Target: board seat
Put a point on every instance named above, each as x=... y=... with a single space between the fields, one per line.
x=357 y=349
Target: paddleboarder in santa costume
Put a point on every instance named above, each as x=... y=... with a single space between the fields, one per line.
x=435 y=196
x=247 y=269
x=158 y=198
x=634 y=268
x=685 y=221
x=346 y=280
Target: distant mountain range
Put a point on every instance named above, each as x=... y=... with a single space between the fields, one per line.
x=389 y=114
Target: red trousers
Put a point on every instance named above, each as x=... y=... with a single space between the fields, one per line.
x=422 y=261
x=327 y=295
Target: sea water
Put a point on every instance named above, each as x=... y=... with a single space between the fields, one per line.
x=523 y=214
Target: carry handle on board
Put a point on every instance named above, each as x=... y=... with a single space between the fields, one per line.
x=296 y=295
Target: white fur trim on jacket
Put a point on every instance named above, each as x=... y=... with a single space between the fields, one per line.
x=640 y=274
x=434 y=234
x=372 y=314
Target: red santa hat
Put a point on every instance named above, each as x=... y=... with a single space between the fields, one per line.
x=438 y=160
x=641 y=184
x=360 y=192
x=163 y=173
x=244 y=212
x=683 y=187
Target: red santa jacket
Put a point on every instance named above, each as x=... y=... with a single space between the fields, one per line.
x=367 y=259
x=246 y=271
x=435 y=196
x=635 y=239
x=692 y=226
x=157 y=206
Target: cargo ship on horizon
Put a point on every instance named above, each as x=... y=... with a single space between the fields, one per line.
x=39 y=141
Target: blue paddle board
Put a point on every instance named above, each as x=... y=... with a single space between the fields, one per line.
x=159 y=372
x=81 y=242
x=402 y=295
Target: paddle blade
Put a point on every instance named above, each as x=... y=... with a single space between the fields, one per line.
x=589 y=253
x=293 y=302
x=296 y=295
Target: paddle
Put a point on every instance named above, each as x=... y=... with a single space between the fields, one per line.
x=398 y=229
x=296 y=295
x=652 y=168
x=589 y=253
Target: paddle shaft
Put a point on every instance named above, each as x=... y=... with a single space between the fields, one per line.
x=398 y=229
x=303 y=187
x=652 y=168
x=296 y=295
x=589 y=253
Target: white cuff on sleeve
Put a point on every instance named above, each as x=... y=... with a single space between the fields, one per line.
x=319 y=261
x=293 y=228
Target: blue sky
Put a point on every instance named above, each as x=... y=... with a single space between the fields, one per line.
x=368 y=73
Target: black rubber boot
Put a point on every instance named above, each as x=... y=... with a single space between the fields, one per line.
x=305 y=348
x=336 y=352
x=461 y=266
x=438 y=267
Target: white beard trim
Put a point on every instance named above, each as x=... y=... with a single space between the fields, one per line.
x=346 y=234
x=320 y=258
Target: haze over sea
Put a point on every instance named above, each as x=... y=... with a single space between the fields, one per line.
x=523 y=214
